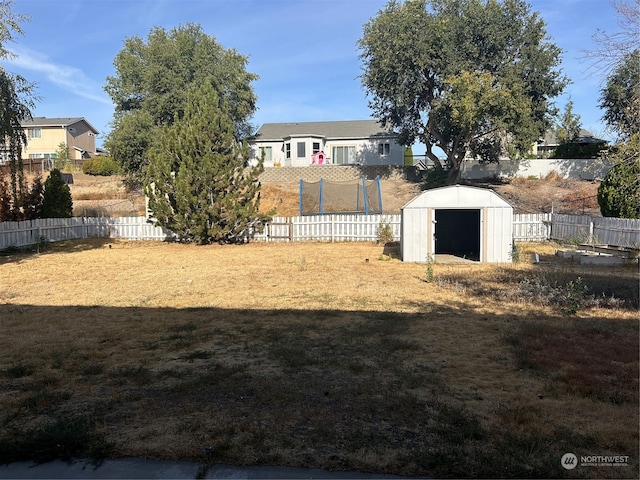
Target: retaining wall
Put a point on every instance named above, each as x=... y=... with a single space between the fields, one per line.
x=339 y=173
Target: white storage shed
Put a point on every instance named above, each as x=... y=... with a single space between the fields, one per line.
x=467 y=222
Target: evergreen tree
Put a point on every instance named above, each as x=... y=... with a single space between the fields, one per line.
x=197 y=183
x=619 y=191
x=56 y=201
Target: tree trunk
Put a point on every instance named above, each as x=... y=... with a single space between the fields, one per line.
x=453 y=176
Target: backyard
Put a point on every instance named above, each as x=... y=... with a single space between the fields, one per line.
x=335 y=356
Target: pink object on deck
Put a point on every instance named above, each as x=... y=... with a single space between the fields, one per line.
x=317 y=158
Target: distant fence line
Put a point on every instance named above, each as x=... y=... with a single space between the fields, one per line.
x=334 y=228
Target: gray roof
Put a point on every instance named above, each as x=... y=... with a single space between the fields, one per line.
x=328 y=130
x=551 y=140
x=55 y=122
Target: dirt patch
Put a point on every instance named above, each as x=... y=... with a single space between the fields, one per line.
x=532 y=195
x=108 y=196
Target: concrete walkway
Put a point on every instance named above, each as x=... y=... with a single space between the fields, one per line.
x=134 y=468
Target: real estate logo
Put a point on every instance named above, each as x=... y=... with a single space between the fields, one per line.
x=569 y=461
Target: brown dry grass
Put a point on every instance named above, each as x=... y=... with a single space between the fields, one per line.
x=95 y=196
x=319 y=355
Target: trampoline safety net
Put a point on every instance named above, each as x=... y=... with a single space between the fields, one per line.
x=355 y=196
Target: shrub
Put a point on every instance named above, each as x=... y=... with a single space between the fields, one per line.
x=434 y=177
x=574 y=296
x=102 y=166
x=385 y=233
x=56 y=202
x=619 y=193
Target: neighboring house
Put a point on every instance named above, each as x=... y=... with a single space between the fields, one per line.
x=545 y=147
x=44 y=136
x=356 y=142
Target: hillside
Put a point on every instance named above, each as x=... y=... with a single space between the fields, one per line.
x=107 y=196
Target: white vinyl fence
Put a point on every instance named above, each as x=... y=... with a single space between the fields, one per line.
x=531 y=227
x=331 y=228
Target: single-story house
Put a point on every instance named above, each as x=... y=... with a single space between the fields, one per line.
x=353 y=142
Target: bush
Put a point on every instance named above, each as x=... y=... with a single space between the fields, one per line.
x=56 y=202
x=102 y=166
x=619 y=193
x=385 y=233
x=434 y=178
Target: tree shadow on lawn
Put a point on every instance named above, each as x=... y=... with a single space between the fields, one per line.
x=372 y=391
x=18 y=254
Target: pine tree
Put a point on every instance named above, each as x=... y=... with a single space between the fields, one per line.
x=56 y=201
x=197 y=183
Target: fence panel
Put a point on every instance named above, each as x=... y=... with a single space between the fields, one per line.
x=338 y=228
x=531 y=227
x=137 y=228
x=619 y=232
x=574 y=228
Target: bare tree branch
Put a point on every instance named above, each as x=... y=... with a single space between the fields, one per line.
x=613 y=47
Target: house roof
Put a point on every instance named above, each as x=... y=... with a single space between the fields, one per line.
x=328 y=130
x=458 y=196
x=56 y=122
x=551 y=140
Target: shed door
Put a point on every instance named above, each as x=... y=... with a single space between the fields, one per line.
x=457 y=232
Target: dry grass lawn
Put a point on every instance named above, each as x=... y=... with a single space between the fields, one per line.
x=322 y=355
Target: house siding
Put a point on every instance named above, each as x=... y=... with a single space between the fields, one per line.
x=329 y=135
x=76 y=133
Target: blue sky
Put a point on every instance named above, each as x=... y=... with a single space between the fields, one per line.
x=304 y=51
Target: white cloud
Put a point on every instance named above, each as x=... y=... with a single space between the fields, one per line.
x=66 y=77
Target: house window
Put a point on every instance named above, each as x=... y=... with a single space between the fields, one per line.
x=344 y=155
x=316 y=147
x=301 y=149
x=287 y=150
x=383 y=149
x=34 y=133
x=34 y=156
x=265 y=153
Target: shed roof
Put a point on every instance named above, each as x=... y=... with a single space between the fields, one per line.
x=458 y=196
x=328 y=130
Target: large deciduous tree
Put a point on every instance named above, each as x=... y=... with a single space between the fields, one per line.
x=151 y=81
x=468 y=77
x=197 y=183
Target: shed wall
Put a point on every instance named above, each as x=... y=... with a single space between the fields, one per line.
x=496 y=223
